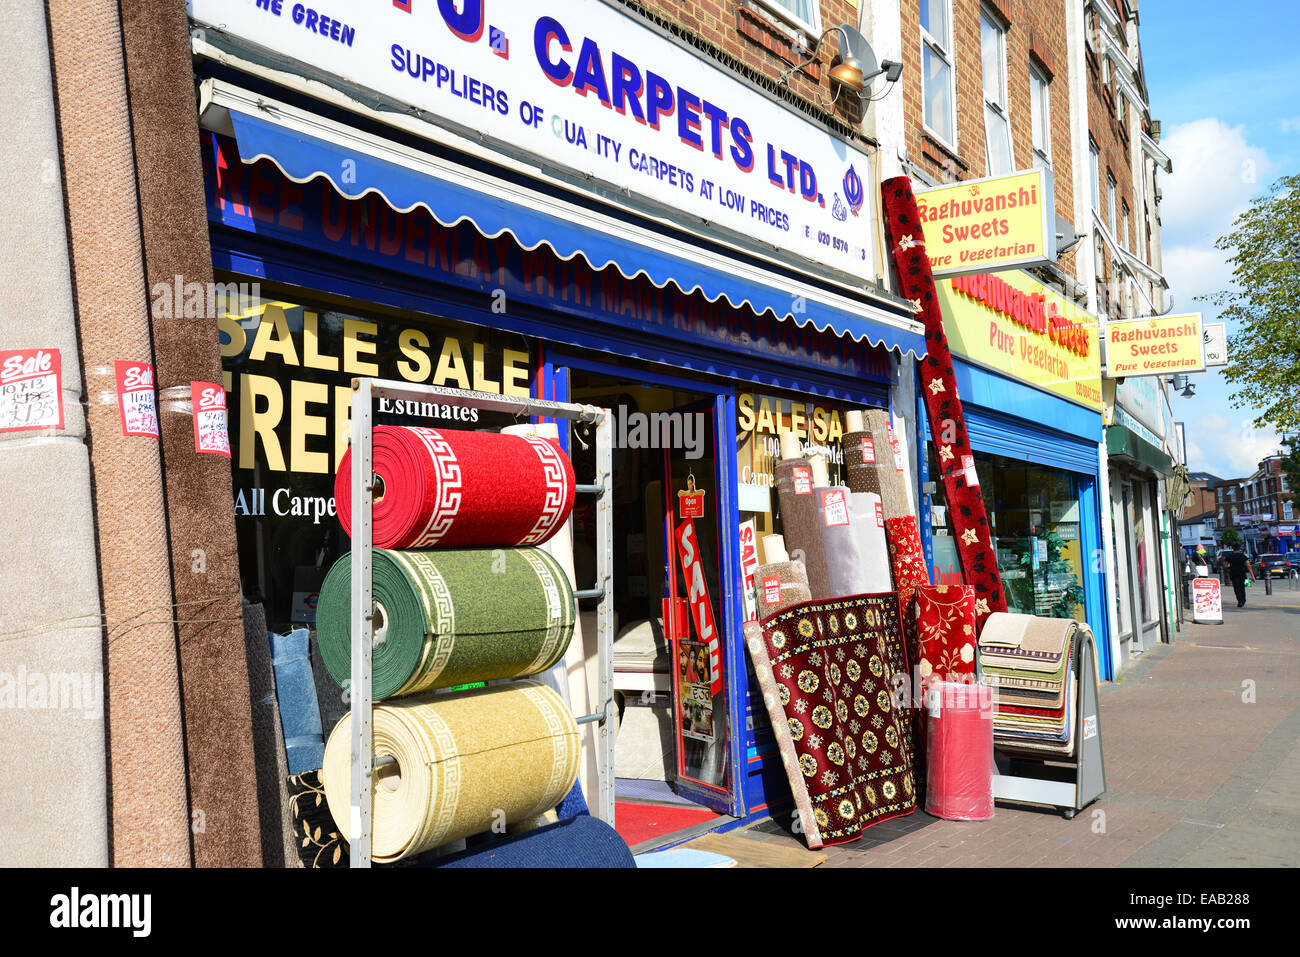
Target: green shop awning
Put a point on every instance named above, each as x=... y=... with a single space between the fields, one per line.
x=1125 y=445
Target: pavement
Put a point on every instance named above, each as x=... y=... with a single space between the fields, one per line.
x=1201 y=743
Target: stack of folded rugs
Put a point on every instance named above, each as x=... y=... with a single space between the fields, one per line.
x=1028 y=662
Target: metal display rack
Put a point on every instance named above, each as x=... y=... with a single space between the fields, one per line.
x=1066 y=782
x=364 y=392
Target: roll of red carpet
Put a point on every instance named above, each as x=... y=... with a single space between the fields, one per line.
x=959 y=779
x=455 y=489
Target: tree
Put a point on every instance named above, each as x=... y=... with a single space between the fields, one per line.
x=1231 y=538
x=1290 y=466
x=1264 y=304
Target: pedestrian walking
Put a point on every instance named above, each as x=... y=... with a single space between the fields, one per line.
x=1238 y=569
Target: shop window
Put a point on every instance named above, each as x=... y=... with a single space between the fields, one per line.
x=938 y=84
x=1110 y=203
x=1034 y=515
x=997 y=124
x=288 y=365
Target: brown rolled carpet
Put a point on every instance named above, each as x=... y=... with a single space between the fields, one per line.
x=801 y=521
x=150 y=812
x=780 y=585
x=205 y=567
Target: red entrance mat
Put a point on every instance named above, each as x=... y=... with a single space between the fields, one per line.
x=640 y=822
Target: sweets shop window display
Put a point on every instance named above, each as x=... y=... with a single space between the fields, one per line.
x=1034 y=513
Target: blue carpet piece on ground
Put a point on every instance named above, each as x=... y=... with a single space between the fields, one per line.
x=581 y=841
x=295 y=689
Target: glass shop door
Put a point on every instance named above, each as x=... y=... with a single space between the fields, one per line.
x=696 y=606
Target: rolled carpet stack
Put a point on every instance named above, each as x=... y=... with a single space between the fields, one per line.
x=959 y=779
x=457 y=489
x=451 y=617
x=464 y=761
x=1028 y=660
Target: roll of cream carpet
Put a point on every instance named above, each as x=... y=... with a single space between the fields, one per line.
x=465 y=761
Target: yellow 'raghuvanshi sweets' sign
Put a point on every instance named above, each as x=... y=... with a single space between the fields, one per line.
x=1160 y=345
x=987 y=225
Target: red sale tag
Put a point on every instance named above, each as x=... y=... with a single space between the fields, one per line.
x=803 y=481
x=135 y=398
x=209 y=405
x=688 y=551
x=771 y=590
x=880 y=515
x=897 y=448
x=31 y=390
x=972 y=477
x=835 y=507
x=868 y=451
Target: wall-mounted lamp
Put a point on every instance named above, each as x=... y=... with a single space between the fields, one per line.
x=854 y=66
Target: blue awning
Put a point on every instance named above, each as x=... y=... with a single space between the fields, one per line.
x=305 y=146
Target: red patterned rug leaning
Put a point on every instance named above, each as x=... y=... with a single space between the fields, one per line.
x=826 y=669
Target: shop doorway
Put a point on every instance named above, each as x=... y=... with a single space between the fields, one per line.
x=672 y=597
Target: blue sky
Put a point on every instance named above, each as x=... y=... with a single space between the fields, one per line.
x=1223 y=81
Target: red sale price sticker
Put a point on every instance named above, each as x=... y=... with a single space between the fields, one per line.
x=868 y=451
x=803 y=481
x=771 y=590
x=968 y=466
x=209 y=403
x=31 y=390
x=136 y=399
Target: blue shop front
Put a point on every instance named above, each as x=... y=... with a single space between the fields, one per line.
x=1032 y=402
x=714 y=284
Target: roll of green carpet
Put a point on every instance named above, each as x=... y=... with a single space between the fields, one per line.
x=450 y=617
x=465 y=762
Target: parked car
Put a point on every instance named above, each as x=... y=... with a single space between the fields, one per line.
x=1275 y=566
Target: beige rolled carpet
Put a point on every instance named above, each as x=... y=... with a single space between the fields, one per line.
x=150 y=812
x=466 y=761
x=204 y=558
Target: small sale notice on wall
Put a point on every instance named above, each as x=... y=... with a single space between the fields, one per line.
x=209 y=404
x=135 y=398
x=31 y=390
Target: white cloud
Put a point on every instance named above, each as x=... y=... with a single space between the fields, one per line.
x=1290 y=124
x=1193 y=271
x=1229 y=448
x=1216 y=172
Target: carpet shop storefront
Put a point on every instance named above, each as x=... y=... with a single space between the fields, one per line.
x=1029 y=377
x=611 y=239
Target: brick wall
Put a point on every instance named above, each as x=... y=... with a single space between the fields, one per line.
x=745 y=37
x=1113 y=139
x=1036 y=32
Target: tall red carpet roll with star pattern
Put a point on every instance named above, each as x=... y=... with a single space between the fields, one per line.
x=947 y=422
